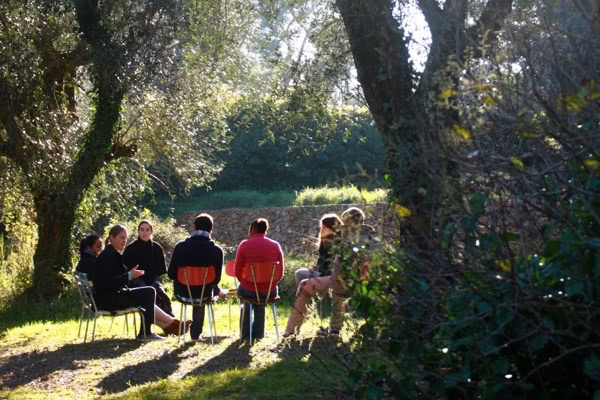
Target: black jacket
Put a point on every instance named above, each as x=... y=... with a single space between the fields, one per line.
x=149 y=256
x=325 y=257
x=110 y=277
x=86 y=262
x=196 y=251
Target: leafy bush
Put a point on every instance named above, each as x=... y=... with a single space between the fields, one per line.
x=339 y=195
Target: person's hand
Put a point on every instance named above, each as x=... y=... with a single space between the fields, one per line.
x=313 y=267
x=136 y=273
x=223 y=293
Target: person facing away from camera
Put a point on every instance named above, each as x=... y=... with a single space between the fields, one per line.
x=258 y=248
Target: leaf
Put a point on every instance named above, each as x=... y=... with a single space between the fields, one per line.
x=489 y=100
x=477 y=204
x=591 y=163
x=591 y=367
x=510 y=237
x=517 y=163
x=462 y=132
x=528 y=135
x=482 y=87
x=538 y=342
x=446 y=94
x=402 y=211
x=504 y=265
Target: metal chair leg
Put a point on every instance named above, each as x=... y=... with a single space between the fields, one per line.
x=243 y=307
x=211 y=321
x=274 y=309
x=80 y=321
x=251 y=315
x=94 y=330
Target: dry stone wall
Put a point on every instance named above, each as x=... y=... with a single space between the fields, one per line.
x=295 y=228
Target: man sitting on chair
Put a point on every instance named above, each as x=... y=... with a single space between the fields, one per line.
x=198 y=250
x=256 y=249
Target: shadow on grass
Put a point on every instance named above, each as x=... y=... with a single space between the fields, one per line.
x=141 y=373
x=24 y=368
x=236 y=355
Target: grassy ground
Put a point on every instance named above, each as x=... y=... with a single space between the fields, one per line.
x=42 y=357
x=252 y=199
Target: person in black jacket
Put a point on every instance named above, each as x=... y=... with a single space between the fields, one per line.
x=89 y=248
x=198 y=250
x=111 y=280
x=149 y=257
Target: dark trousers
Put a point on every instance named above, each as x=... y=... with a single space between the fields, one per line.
x=143 y=296
x=258 y=319
x=198 y=318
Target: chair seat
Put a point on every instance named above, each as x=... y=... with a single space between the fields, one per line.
x=262 y=301
x=195 y=300
x=123 y=311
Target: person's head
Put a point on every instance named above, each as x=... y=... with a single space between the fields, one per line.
x=260 y=225
x=92 y=242
x=117 y=237
x=203 y=222
x=145 y=230
x=328 y=225
x=353 y=216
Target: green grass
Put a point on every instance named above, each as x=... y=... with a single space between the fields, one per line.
x=41 y=356
x=253 y=199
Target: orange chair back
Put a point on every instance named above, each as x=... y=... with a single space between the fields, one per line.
x=230 y=267
x=196 y=275
x=263 y=272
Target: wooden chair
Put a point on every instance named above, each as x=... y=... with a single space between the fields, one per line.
x=85 y=287
x=196 y=278
x=261 y=273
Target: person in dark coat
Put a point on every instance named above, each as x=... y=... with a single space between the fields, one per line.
x=149 y=257
x=198 y=250
x=89 y=247
x=112 y=292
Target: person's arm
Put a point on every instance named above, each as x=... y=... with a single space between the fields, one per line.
x=239 y=261
x=103 y=279
x=280 y=259
x=219 y=259
x=129 y=256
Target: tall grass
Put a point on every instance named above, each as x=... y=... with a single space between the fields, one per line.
x=253 y=199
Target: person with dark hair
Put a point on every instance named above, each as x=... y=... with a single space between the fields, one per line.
x=352 y=234
x=148 y=255
x=112 y=292
x=89 y=247
x=328 y=227
x=198 y=250
x=259 y=249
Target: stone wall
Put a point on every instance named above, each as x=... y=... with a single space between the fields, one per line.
x=295 y=228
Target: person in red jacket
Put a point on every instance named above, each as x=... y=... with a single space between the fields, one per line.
x=257 y=248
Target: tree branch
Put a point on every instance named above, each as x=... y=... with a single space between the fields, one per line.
x=486 y=28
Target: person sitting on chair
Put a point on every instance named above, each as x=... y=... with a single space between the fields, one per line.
x=351 y=234
x=89 y=247
x=256 y=249
x=198 y=250
x=148 y=255
x=112 y=292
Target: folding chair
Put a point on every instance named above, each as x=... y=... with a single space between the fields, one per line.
x=230 y=271
x=85 y=287
x=260 y=273
x=196 y=278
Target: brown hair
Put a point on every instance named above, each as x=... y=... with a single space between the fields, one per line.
x=353 y=215
x=331 y=221
x=114 y=231
x=145 y=221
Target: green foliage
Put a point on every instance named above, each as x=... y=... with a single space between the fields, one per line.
x=306 y=148
x=339 y=195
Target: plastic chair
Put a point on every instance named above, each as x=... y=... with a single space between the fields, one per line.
x=196 y=278
x=85 y=287
x=261 y=273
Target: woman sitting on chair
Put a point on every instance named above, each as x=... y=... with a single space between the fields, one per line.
x=89 y=248
x=111 y=280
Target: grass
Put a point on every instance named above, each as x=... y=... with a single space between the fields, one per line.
x=42 y=357
x=253 y=199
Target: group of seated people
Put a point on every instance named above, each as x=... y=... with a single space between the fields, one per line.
x=126 y=276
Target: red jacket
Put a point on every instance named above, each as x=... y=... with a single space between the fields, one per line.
x=257 y=248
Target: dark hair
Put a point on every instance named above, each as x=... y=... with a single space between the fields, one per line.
x=88 y=241
x=145 y=221
x=353 y=215
x=204 y=222
x=260 y=225
x=114 y=231
x=331 y=221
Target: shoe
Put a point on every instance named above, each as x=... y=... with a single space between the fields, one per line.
x=199 y=339
x=150 y=337
x=188 y=325
x=172 y=328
